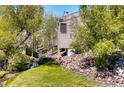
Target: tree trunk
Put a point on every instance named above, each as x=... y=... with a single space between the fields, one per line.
x=28 y=35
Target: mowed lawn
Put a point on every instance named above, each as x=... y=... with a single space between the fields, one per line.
x=49 y=75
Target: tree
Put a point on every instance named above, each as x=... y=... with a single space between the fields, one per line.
x=39 y=41
x=14 y=21
x=28 y=18
x=103 y=25
x=8 y=42
x=50 y=34
x=45 y=38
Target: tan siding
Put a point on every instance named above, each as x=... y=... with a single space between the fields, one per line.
x=64 y=39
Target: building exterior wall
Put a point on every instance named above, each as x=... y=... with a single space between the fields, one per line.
x=65 y=39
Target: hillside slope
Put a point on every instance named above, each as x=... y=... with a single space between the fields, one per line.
x=49 y=75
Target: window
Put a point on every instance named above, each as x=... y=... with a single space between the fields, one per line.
x=61 y=20
x=63 y=27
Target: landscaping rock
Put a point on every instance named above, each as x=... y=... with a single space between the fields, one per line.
x=87 y=62
x=84 y=65
x=10 y=75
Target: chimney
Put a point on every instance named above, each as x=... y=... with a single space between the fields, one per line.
x=65 y=13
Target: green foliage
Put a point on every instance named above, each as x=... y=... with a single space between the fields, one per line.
x=45 y=39
x=83 y=38
x=102 y=50
x=102 y=31
x=39 y=41
x=19 y=63
x=102 y=21
x=2 y=55
x=7 y=42
x=29 y=51
x=50 y=34
x=35 y=54
x=102 y=63
x=23 y=17
x=120 y=41
x=14 y=20
x=17 y=19
x=2 y=59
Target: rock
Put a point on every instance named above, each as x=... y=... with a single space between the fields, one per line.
x=92 y=73
x=81 y=71
x=122 y=75
x=120 y=81
x=84 y=65
x=119 y=71
x=87 y=62
x=10 y=75
x=110 y=79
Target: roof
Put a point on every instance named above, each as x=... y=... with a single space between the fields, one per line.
x=70 y=16
x=71 y=13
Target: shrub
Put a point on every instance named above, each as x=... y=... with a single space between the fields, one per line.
x=35 y=54
x=2 y=59
x=19 y=63
x=120 y=42
x=105 y=47
x=102 y=63
x=102 y=50
x=2 y=55
x=29 y=52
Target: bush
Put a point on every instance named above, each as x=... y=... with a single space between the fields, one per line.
x=2 y=59
x=120 y=42
x=35 y=54
x=102 y=63
x=102 y=50
x=29 y=52
x=105 y=47
x=19 y=63
x=2 y=55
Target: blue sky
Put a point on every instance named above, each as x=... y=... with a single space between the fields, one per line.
x=58 y=10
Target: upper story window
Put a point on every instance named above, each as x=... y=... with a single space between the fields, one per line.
x=63 y=27
x=61 y=20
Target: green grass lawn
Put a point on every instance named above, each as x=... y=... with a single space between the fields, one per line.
x=49 y=75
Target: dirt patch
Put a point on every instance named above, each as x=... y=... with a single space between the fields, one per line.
x=6 y=77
